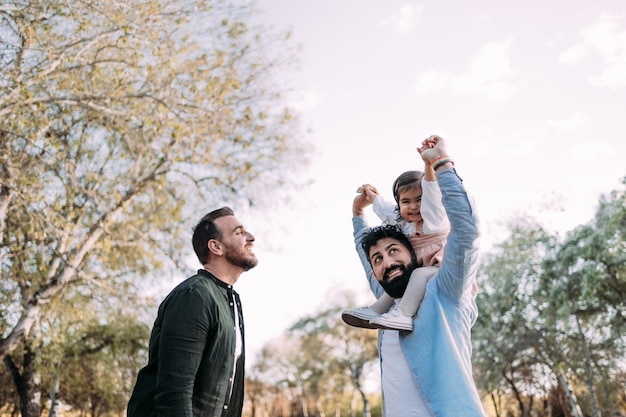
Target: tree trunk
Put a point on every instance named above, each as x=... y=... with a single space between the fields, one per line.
x=496 y=403
x=28 y=383
x=353 y=405
x=320 y=407
x=571 y=397
x=589 y=367
x=55 y=284
x=366 y=404
x=531 y=403
x=305 y=406
x=516 y=393
x=54 y=389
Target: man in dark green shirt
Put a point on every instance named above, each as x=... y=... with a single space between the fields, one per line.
x=196 y=352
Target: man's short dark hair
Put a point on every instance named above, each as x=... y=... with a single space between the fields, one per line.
x=373 y=235
x=206 y=230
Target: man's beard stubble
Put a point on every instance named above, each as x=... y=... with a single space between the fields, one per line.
x=241 y=259
x=397 y=286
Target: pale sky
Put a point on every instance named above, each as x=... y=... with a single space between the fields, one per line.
x=530 y=96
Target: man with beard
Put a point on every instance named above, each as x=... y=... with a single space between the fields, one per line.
x=427 y=372
x=196 y=352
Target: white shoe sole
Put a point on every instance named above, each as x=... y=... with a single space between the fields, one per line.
x=356 y=320
x=391 y=326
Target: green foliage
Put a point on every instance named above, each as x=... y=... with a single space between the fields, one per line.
x=554 y=308
x=113 y=115
x=320 y=362
x=121 y=124
x=98 y=370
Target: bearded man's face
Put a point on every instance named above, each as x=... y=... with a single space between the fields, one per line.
x=392 y=263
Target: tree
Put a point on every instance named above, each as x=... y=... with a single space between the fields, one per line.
x=118 y=122
x=585 y=285
x=341 y=355
x=97 y=370
x=552 y=313
x=279 y=366
x=318 y=364
x=508 y=331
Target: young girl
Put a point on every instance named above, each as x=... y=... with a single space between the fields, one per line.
x=422 y=217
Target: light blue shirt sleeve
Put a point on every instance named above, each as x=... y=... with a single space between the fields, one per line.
x=460 y=260
x=360 y=227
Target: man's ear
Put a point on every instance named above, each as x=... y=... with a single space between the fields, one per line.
x=215 y=247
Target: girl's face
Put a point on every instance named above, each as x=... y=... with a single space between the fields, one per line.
x=410 y=203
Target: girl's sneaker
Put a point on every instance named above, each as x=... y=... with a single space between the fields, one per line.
x=359 y=317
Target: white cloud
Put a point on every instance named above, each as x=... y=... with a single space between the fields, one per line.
x=487 y=75
x=574 y=54
x=492 y=61
x=605 y=38
x=569 y=123
x=612 y=76
x=405 y=20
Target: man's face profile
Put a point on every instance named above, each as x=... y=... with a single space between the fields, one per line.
x=237 y=243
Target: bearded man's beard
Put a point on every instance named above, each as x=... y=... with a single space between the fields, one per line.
x=397 y=286
x=241 y=259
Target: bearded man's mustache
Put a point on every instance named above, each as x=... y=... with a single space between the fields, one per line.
x=390 y=270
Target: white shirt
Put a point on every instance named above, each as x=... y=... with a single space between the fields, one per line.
x=238 y=344
x=401 y=397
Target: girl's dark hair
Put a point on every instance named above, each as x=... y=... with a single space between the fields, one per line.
x=206 y=230
x=407 y=181
x=373 y=235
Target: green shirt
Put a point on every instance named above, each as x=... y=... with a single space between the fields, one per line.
x=192 y=353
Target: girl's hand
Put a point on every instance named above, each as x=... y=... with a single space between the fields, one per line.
x=369 y=190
